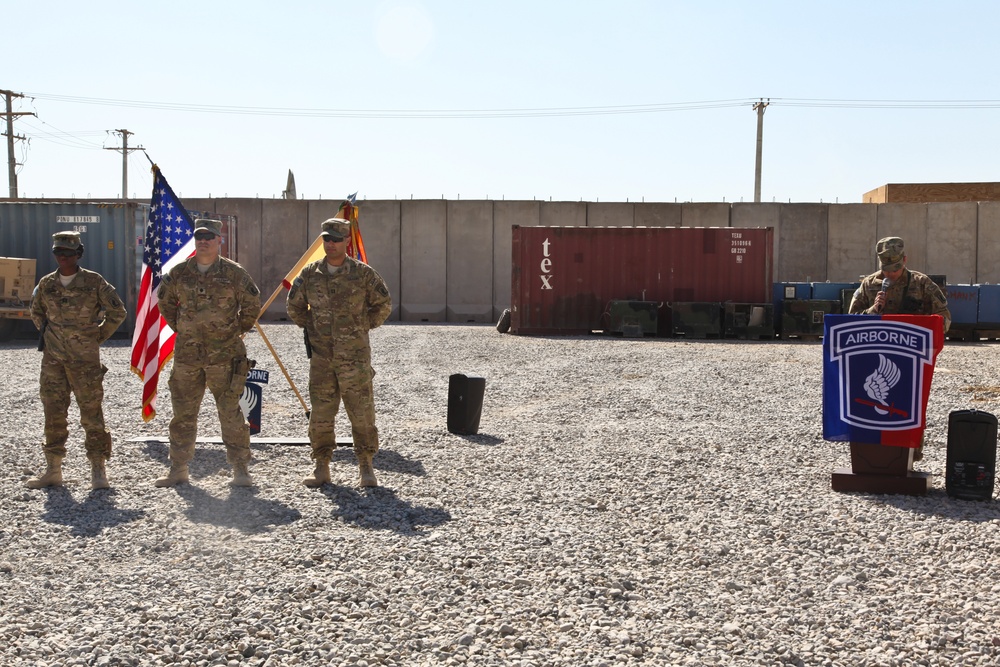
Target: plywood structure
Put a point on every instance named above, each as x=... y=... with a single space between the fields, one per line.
x=921 y=193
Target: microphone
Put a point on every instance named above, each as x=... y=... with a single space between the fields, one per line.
x=885 y=286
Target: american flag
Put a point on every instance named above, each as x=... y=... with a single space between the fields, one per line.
x=169 y=241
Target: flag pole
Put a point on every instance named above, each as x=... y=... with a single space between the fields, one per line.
x=274 y=296
x=288 y=377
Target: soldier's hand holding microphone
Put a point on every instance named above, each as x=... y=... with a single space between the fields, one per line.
x=880 y=297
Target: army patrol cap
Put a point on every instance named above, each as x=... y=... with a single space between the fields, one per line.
x=66 y=240
x=206 y=225
x=337 y=228
x=890 y=253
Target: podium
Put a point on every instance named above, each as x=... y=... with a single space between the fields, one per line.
x=880 y=469
x=877 y=372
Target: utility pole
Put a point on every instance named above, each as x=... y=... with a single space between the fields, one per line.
x=125 y=150
x=11 y=162
x=759 y=108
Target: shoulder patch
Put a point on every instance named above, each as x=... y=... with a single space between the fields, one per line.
x=382 y=289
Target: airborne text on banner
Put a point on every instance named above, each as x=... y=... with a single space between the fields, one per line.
x=877 y=373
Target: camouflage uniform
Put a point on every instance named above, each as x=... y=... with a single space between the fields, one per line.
x=337 y=311
x=912 y=293
x=76 y=320
x=210 y=312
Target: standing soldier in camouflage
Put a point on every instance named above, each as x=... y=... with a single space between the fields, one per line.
x=337 y=300
x=907 y=292
x=210 y=302
x=895 y=289
x=75 y=310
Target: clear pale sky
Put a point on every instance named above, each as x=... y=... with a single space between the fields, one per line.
x=549 y=99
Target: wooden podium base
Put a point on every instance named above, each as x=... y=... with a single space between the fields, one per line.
x=881 y=469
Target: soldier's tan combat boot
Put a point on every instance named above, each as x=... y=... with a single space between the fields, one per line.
x=367 y=472
x=178 y=475
x=320 y=476
x=52 y=476
x=241 y=476
x=98 y=475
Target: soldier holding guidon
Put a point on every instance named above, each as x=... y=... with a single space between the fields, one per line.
x=75 y=310
x=337 y=300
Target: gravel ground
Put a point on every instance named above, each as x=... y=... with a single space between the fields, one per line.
x=626 y=502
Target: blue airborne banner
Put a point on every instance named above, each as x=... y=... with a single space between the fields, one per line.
x=877 y=372
x=253 y=397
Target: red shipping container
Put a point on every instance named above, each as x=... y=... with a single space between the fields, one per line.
x=563 y=278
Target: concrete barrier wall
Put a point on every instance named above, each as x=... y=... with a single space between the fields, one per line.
x=761 y=216
x=423 y=273
x=658 y=215
x=506 y=214
x=988 y=243
x=951 y=232
x=284 y=230
x=610 y=215
x=850 y=246
x=451 y=260
x=381 y=232
x=705 y=215
x=470 y=261
x=802 y=226
x=562 y=214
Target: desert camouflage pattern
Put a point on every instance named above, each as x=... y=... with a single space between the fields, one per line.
x=76 y=320
x=187 y=389
x=338 y=311
x=210 y=312
x=913 y=294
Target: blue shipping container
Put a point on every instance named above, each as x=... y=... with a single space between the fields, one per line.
x=989 y=307
x=831 y=291
x=110 y=231
x=963 y=302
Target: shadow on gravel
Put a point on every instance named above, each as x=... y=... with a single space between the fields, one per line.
x=89 y=518
x=380 y=508
x=939 y=504
x=386 y=459
x=242 y=510
x=208 y=459
x=480 y=439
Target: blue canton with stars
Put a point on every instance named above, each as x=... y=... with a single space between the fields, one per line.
x=168 y=229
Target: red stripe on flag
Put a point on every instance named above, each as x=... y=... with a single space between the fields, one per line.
x=168 y=242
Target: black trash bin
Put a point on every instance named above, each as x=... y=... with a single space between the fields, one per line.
x=972 y=455
x=465 y=403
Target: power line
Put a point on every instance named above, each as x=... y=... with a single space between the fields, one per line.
x=63 y=137
x=657 y=107
x=403 y=113
x=9 y=115
x=887 y=104
x=125 y=150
